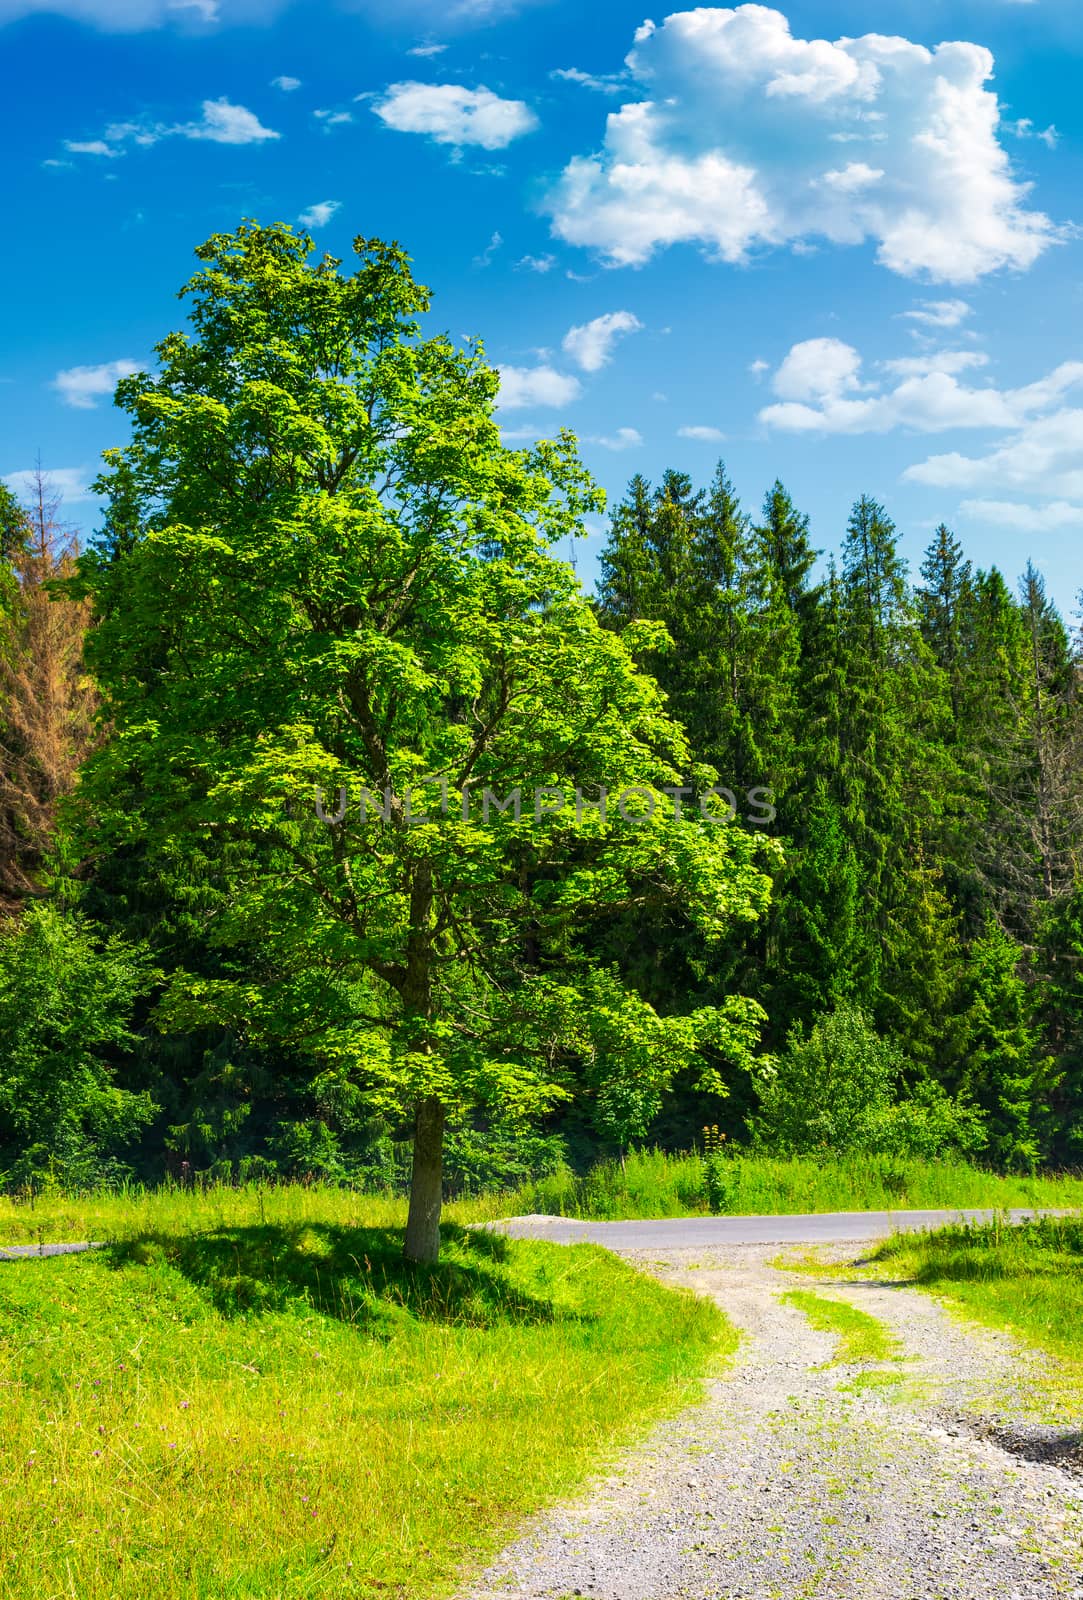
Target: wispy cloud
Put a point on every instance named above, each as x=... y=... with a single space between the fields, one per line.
x=699 y=431
x=70 y=483
x=221 y=122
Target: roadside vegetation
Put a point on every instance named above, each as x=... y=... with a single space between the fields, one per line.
x=650 y=1183
x=280 y=1405
x=1028 y=1279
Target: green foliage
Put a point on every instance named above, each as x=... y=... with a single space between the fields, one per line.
x=843 y=1088
x=67 y=999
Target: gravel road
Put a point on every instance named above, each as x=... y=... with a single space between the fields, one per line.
x=795 y=1479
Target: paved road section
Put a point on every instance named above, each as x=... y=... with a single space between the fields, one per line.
x=683 y=1233
x=20 y=1252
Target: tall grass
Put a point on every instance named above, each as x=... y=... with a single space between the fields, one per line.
x=654 y=1184
x=231 y=1404
x=651 y=1183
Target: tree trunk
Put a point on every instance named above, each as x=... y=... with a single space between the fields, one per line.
x=426 y=1183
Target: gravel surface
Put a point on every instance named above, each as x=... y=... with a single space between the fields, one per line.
x=916 y=1479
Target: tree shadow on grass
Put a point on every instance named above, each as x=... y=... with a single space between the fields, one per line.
x=356 y=1275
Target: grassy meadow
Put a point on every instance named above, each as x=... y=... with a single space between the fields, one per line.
x=250 y=1395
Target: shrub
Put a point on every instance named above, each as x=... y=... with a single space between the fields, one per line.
x=843 y=1089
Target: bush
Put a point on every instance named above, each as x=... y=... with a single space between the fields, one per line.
x=67 y=997
x=843 y=1089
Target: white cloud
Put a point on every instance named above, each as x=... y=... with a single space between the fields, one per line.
x=70 y=483
x=286 y=84
x=820 y=388
x=604 y=83
x=451 y=114
x=427 y=50
x=623 y=439
x=319 y=215
x=938 y=313
x=536 y=386
x=698 y=431
x=333 y=119
x=591 y=345
x=536 y=263
x=1025 y=129
x=733 y=144
x=221 y=122
x=817 y=368
x=758 y=368
x=83 y=387
x=91 y=147
x=224 y=123
x=496 y=240
x=1024 y=518
x=1043 y=458
x=950 y=361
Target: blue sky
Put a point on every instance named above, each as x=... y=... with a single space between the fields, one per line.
x=834 y=243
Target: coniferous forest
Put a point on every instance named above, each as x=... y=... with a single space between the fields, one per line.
x=318 y=570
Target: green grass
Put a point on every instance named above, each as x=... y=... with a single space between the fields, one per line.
x=860 y=1337
x=1028 y=1279
x=651 y=1184
x=228 y=1405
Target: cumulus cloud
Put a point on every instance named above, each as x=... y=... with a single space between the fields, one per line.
x=697 y=430
x=623 y=439
x=70 y=483
x=83 y=387
x=745 y=137
x=591 y=345
x=286 y=84
x=536 y=386
x=319 y=215
x=821 y=390
x=451 y=114
x=817 y=368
